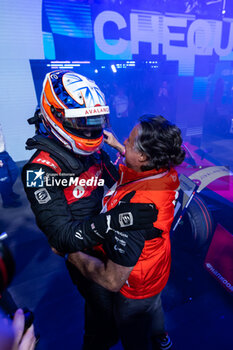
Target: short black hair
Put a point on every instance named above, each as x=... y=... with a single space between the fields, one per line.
x=160 y=141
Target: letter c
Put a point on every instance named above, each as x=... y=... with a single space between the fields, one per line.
x=101 y=19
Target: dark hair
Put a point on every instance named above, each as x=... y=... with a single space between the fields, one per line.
x=160 y=141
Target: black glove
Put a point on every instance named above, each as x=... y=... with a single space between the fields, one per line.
x=112 y=224
x=124 y=217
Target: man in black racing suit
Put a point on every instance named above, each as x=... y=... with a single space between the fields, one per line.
x=74 y=112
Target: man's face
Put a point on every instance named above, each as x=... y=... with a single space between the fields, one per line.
x=133 y=158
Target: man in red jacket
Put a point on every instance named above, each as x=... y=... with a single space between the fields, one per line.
x=137 y=266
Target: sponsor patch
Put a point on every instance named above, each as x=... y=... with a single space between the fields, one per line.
x=45 y=159
x=42 y=196
x=126 y=219
x=78 y=191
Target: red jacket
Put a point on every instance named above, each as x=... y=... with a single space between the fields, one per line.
x=150 y=274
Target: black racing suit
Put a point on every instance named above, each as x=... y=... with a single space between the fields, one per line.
x=60 y=208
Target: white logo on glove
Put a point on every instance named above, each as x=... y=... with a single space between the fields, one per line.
x=78 y=235
x=126 y=219
x=119 y=249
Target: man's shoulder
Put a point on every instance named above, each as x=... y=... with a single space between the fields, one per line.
x=44 y=159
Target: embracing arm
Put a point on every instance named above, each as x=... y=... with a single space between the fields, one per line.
x=54 y=217
x=111 y=276
x=123 y=254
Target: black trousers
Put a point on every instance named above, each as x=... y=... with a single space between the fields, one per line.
x=139 y=321
x=100 y=331
x=110 y=316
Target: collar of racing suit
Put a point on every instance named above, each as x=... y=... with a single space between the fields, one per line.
x=128 y=175
x=47 y=144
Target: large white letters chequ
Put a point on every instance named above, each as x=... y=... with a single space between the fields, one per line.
x=142 y=29
x=181 y=37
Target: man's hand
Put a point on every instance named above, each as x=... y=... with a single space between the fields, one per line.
x=110 y=139
x=125 y=216
x=131 y=216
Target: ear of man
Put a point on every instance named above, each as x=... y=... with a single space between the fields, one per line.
x=142 y=157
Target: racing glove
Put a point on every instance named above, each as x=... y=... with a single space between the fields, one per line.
x=124 y=217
